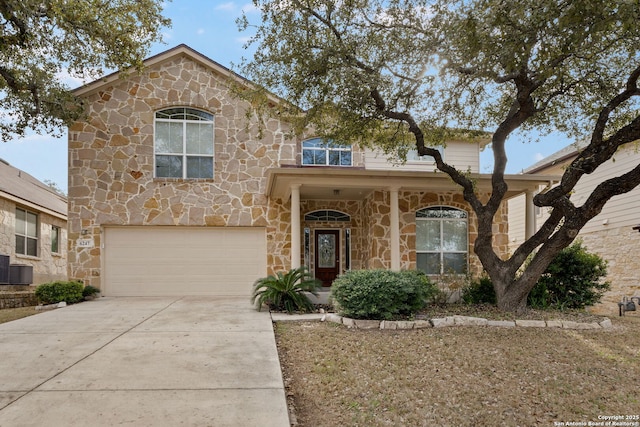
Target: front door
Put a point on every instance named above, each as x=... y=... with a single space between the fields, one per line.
x=327 y=259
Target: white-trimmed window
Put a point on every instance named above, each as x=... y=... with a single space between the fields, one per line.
x=319 y=152
x=442 y=240
x=183 y=143
x=26 y=232
x=55 y=239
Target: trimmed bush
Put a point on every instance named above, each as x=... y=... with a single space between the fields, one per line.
x=55 y=292
x=574 y=279
x=90 y=291
x=479 y=291
x=381 y=294
x=286 y=291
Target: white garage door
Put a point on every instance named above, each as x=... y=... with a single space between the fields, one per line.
x=173 y=261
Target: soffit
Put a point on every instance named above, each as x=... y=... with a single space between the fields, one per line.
x=326 y=183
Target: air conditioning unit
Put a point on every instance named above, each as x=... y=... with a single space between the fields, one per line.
x=20 y=274
x=4 y=269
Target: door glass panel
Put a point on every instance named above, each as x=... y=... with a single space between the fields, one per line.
x=326 y=250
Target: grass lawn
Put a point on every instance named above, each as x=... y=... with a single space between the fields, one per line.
x=459 y=376
x=9 y=314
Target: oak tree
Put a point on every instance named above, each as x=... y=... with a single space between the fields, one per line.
x=41 y=41
x=388 y=73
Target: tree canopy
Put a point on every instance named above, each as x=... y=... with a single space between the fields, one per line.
x=389 y=73
x=43 y=40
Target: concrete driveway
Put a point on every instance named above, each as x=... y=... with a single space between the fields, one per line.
x=190 y=361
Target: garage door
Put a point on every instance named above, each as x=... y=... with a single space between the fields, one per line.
x=172 y=261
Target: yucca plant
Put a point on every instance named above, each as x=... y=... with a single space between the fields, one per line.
x=286 y=291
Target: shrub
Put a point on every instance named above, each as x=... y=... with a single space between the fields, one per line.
x=90 y=291
x=381 y=294
x=479 y=291
x=51 y=293
x=574 y=279
x=286 y=291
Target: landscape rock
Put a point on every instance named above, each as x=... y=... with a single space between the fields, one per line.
x=554 y=323
x=531 y=323
x=422 y=324
x=441 y=322
x=469 y=321
x=606 y=323
x=388 y=324
x=502 y=323
x=332 y=317
x=367 y=324
x=349 y=323
x=404 y=324
x=579 y=326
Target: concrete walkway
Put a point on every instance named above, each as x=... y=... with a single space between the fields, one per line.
x=191 y=361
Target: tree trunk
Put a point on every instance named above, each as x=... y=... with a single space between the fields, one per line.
x=512 y=298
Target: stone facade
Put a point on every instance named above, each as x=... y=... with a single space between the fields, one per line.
x=112 y=183
x=111 y=158
x=47 y=266
x=619 y=247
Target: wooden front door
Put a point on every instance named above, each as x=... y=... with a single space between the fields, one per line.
x=327 y=257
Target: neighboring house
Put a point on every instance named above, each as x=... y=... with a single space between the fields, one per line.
x=33 y=224
x=610 y=234
x=174 y=189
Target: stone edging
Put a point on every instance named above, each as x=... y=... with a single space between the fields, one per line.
x=462 y=321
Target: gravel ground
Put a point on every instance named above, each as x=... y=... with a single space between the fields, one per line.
x=460 y=376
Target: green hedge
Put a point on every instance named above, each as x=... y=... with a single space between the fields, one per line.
x=381 y=294
x=574 y=279
x=51 y=293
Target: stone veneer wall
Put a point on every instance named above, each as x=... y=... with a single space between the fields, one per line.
x=620 y=248
x=47 y=266
x=111 y=158
x=378 y=235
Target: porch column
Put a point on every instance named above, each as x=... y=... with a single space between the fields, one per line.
x=529 y=215
x=295 y=225
x=395 y=229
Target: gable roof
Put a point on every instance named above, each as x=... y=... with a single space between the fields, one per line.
x=22 y=188
x=567 y=152
x=182 y=50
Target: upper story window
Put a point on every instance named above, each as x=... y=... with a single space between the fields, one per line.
x=412 y=155
x=321 y=152
x=183 y=143
x=26 y=232
x=441 y=240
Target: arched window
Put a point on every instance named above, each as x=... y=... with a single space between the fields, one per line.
x=320 y=152
x=442 y=240
x=326 y=215
x=183 y=143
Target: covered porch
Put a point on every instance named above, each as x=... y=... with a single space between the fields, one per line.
x=346 y=218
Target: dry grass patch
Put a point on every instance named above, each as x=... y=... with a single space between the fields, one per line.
x=460 y=376
x=9 y=314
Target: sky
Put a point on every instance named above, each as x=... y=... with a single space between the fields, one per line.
x=209 y=27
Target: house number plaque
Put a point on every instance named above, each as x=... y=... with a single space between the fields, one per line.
x=85 y=243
